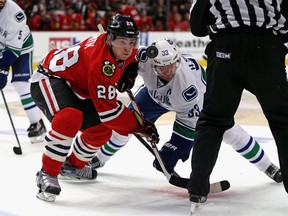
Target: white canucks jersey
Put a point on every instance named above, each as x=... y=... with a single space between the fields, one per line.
x=15 y=35
x=183 y=94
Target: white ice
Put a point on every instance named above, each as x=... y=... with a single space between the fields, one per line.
x=128 y=185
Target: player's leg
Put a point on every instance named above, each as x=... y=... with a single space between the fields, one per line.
x=21 y=71
x=248 y=147
x=116 y=142
x=93 y=135
x=58 y=102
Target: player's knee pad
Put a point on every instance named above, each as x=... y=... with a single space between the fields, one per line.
x=67 y=121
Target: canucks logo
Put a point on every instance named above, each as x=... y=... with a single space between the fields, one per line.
x=108 y=69
x=190 y=93
x=19 y=16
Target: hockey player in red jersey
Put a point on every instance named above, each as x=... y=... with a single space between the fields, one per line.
x=75 y=88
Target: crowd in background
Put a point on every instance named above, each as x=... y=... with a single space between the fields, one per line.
x=85 y=15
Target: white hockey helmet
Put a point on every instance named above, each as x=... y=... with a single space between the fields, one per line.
x=164 y=52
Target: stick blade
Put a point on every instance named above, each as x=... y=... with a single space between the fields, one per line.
x=179 y=182
x=215 y=187
x=225 y=185
x=220 y=186
x=17 y=150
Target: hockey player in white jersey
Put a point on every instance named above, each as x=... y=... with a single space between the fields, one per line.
x=16 y=51
x=175 y=82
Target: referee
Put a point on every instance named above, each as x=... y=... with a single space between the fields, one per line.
x=246 y=52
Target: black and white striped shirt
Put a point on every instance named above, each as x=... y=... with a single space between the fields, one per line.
x=210 y=16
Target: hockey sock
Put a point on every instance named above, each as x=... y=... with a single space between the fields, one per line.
x=116 y=142
x=32 y=111
x=59 y=139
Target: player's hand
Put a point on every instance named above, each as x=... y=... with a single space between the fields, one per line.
x=170 y=155
x=149 y=131
x=125 y=83
x=147 y=128
x=3 y=78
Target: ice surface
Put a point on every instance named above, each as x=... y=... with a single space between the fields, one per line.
x=128 y=184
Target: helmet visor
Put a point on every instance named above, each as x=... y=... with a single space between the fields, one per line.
x=123 y=42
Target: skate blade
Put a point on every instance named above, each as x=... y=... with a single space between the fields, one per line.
x=48 y=197
x=193 y=208
x=37 y=139
x=74 y=179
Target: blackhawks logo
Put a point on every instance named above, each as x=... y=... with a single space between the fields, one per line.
x=108 y=69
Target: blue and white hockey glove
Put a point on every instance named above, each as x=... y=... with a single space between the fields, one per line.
x=170 y=154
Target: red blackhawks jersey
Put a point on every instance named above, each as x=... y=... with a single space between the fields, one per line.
x=92 y=72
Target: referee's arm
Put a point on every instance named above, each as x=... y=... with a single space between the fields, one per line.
x=199 y=17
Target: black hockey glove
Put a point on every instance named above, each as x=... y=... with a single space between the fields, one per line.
x=127 y=80
x=147 y=128
x=3 y=72
x=3 y=78
x=125 y=83
x=149 y=131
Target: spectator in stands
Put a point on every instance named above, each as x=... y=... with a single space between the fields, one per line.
x=39 y=10
x=174 y=10
x=81 y=7
x=179 y=24
x=24 y=4
x=39 y=7
x=42 y=21
x=70 y=20
x=159 y=17
x=59 y=6
x=146 y=23
x=93 y=20
x=122 y=7
x=109 y=13
x=142 y=5
x=159 y=25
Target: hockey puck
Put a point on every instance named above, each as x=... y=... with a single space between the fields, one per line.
x=152 y=51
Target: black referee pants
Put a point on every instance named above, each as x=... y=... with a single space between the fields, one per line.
x=238 y=61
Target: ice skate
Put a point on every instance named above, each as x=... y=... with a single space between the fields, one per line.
x=48 y=185
x=69 y=172
x=274 y=173
x=37 y=131
x=95 y=163
x=195 y=202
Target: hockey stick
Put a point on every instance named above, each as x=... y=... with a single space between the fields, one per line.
x=17 y=149
x=215 y=187
x=173 y=179
x=100 y=28
x=150 y=149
